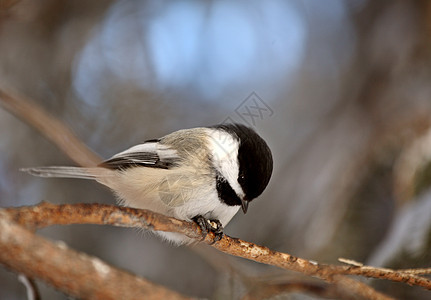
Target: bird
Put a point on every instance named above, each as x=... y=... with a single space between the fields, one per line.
x=203 y=174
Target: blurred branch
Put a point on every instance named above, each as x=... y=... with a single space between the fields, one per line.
x=50 y=127
x=74 y=273
x=268 y=290
x=46 y=214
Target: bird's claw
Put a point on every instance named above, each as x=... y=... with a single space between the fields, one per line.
x=210 y=225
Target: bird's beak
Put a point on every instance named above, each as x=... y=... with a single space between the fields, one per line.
x=244 y=205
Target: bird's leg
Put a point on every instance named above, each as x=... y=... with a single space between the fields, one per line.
x=203 y=224
x=209 y=225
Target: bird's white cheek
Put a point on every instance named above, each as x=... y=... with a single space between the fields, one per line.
x=224 y=151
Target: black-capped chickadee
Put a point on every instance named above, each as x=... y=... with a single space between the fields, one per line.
x=203 y=174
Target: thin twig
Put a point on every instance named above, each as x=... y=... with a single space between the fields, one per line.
x=408 y=276
x=30 y=286
x=419 y=271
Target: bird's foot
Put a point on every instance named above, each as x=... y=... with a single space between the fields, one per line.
x=209 y=225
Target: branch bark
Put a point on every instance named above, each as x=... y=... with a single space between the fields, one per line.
x=74 y=273
x=46 y=214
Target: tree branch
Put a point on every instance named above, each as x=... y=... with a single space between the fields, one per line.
x=74 y=273
x=46 y=214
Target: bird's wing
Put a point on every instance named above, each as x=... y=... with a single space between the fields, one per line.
x=150 y=154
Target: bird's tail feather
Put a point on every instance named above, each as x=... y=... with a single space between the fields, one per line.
x=63 y=172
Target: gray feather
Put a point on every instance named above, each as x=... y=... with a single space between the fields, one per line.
x=61 y=172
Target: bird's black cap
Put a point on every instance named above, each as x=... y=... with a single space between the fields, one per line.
x=254 y=158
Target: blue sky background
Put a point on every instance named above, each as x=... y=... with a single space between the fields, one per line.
x=208 y=48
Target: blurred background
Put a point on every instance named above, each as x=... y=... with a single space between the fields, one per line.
x=340 y=90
